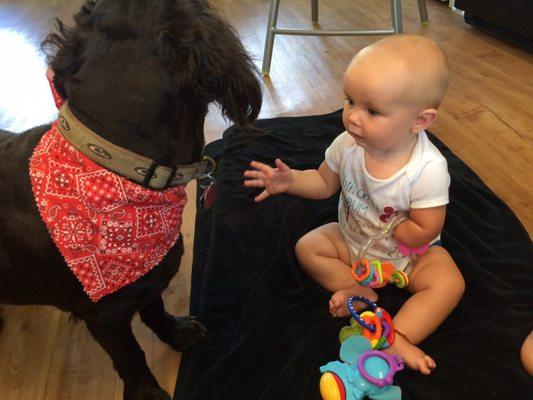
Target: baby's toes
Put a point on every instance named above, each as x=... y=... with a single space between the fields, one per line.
x=336 y=305
x=332 y=307
x=425 y=365
x=423 y=368
x=431 y=363
x=336 y=300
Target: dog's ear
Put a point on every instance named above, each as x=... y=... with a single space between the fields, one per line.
x=63 y=47
x=238 y=91
x=83 y=17
x=208 y=60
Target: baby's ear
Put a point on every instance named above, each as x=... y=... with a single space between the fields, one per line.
x=424 y=119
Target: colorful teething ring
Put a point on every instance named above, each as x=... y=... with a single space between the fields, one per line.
x=356 y=316
x=386 y=323
x=395 y=364
x=400 y=279
x=357 y=267
x=376 y=274
x=377 y=279
x=373 y=336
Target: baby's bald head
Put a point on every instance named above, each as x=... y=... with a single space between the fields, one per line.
x=409 y=67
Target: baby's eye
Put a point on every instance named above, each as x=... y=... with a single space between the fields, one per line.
x=350 y=102
x=373 y=112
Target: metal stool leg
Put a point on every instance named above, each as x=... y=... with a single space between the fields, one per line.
x=269 y=42
x=422 y=8
x=314 y=11
x=272 y=30
x=396 y=11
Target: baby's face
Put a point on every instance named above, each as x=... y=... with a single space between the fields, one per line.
x=378 y=112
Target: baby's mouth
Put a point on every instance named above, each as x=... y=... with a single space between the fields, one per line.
x=357 y=137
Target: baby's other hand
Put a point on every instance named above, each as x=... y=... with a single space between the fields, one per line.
x=274 y=180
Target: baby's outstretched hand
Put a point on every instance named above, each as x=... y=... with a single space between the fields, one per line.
x=274 y=180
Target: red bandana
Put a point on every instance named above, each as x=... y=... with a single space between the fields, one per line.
x=109 y=230
x=58 y=100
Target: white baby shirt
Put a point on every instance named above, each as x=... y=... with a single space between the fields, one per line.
x=367 y=203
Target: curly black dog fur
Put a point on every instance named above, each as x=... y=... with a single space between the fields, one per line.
x=141 y=73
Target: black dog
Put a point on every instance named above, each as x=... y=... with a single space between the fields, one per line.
x=141 y=74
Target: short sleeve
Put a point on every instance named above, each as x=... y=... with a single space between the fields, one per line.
x=431 y=187
x=335 y=152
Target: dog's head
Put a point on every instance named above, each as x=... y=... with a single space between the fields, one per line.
x=144 y=71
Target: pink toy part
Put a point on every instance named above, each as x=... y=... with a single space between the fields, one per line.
x=407 y=251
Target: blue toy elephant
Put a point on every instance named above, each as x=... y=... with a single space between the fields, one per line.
x=346 y=381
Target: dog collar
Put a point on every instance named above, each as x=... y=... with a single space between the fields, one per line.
x=131 y=165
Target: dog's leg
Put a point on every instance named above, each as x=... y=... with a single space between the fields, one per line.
x=179 y=332
x=128 y=359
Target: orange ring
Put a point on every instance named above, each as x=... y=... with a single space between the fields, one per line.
x=365 y=275
x=374 y=337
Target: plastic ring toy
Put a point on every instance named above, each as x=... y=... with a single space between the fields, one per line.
x=373 y=336
x=361 y=270
x=368 y=280
x=382 y=344
x=395 y=364
x=378 y=273
x=400 y=279
x=386 y=323
x=356 y=316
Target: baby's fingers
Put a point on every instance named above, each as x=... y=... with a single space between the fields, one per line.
x=281 y=165
x=254 y=174
x=263 y=195
x=254 y=183
x=260 y=166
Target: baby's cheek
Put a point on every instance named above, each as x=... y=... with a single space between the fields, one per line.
x=345 y=115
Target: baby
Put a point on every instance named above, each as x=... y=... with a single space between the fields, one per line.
x=385 y=166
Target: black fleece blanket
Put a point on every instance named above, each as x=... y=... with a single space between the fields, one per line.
x=269 y=326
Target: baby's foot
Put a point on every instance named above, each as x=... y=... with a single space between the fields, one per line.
x=338 y=303
x=412 y=356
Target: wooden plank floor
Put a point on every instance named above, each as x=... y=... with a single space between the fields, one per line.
x=486 y=119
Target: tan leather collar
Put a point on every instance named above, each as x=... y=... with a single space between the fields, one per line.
x=127 y=163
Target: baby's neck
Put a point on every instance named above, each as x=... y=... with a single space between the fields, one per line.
x=382 y=164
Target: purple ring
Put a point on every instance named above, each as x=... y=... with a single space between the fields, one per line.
x=386 y=329
x=394 y=361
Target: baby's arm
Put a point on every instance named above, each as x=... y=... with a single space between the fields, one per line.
x=422 y=226
x=311 y=184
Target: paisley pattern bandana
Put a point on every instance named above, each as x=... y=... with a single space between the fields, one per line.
x=58 y=100
x=109 y=230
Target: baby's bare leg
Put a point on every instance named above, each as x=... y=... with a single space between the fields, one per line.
x=526 y=354
x=323 y=255
x=437 y=286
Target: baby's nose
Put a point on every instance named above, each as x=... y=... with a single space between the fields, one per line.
x=354 y=118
